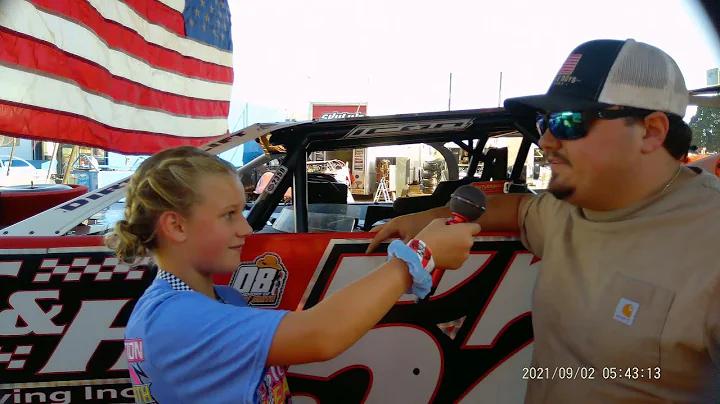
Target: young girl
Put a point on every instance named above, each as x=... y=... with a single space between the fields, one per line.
x=189 y=341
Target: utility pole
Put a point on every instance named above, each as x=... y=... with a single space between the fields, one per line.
x=450 y=93
x=500 y=92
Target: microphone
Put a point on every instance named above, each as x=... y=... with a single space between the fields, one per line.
x=467 y=204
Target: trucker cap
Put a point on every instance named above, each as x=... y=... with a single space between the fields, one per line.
x=605 y=72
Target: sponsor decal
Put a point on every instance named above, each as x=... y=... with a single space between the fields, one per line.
x=280 y=173
x=261 y=281
x=222 y=141
x=77 y=203
x=62 y=326
x=341 y=115
x=409 y=128
x=320 y=111
x=96 y=393
x=491 y=187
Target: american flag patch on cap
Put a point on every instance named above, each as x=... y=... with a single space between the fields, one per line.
x=569 y=66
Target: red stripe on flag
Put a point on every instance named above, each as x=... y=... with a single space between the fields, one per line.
x=158 y=13
x=36 y=55
x=120 y=37
x=43 y=124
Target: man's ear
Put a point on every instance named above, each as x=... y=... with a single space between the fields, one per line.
x=172 y=226
x=657 y=125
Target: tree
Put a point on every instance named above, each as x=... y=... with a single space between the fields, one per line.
x=706 y=128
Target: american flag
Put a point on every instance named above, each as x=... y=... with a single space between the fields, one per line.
x=131 y=76
x=568 y=67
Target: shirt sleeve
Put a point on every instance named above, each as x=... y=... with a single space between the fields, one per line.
x=205 y=348
x=535 y=215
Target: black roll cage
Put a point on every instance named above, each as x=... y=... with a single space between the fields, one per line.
x=435 y=128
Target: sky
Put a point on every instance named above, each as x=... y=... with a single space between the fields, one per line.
x=397 y=55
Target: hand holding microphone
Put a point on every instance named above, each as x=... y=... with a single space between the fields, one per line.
x=432 y=243
x=467 y=204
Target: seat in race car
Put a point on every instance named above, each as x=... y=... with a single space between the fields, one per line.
x=321 y=188
x=495 y=163
x=324 y=188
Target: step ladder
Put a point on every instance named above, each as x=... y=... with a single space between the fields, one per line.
x=382 y=190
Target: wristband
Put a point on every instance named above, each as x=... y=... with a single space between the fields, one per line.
x=422 y=281
x=424 y=252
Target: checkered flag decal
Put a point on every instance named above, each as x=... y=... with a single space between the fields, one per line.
x=104 y=272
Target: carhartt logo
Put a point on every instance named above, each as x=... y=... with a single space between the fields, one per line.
x=626 y=311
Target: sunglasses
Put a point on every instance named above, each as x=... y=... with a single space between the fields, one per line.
x=571 y=125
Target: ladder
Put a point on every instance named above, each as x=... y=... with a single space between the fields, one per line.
x=382 y=188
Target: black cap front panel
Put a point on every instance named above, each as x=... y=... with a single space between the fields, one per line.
x=584 y=72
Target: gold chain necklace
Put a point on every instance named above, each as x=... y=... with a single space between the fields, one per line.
x=671 y=181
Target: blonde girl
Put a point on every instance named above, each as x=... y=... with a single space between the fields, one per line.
x=196 y=342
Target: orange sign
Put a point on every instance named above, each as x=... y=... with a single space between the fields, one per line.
x=491 y=187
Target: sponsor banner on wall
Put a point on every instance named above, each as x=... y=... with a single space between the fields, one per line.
x=326 y=111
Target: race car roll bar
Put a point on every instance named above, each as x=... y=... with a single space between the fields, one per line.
x=300 y=195
x=271 y=196
x=347 y=133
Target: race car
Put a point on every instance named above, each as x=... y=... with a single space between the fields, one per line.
x=69 y=298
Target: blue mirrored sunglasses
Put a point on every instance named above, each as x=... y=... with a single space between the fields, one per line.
x=570 y=125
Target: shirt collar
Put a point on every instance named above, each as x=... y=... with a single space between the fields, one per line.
x=175 y=282
x=178 y=284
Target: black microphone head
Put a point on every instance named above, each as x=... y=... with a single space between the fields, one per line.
x=468 y=201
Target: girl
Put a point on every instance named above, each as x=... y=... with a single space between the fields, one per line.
x=189 y=341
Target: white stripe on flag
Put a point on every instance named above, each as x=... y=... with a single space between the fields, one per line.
x=177 y=5
x=79 y=41
x=35 y=90
x=121 y=13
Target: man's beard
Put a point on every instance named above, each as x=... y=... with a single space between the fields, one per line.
x=559 y=191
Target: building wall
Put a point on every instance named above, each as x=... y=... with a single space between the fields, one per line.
x=23 y=150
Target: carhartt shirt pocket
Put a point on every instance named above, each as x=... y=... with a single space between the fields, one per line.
x=625 y=326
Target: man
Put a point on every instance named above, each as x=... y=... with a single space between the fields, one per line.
x=616 y=290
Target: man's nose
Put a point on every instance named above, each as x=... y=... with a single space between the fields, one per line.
x=549 y=142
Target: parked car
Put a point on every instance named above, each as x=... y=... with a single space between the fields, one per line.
x=21 y=172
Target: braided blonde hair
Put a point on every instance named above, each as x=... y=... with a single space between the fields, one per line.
x=167 y=181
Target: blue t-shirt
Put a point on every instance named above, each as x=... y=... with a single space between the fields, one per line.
x=183 y=347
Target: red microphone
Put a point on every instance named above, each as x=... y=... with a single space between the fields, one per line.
x=467 y=204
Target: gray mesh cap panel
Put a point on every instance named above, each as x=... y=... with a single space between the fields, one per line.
x=644 y=76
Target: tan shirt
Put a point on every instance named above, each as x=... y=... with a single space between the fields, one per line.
x=634 y=288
